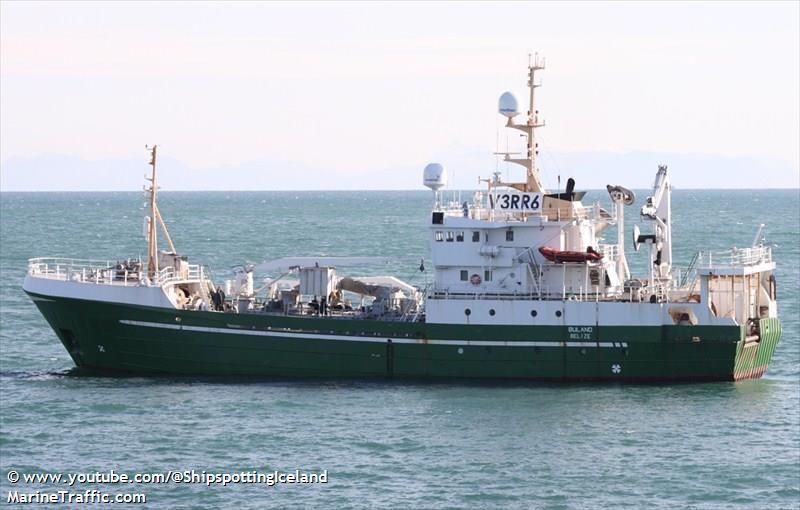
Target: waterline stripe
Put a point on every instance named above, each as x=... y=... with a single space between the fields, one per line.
x=381 y=340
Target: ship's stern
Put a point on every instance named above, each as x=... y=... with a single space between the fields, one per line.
x=754 y=352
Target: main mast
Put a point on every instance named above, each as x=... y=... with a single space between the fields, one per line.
x=532 y=182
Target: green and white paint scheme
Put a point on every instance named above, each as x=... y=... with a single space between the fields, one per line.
x=524 y=288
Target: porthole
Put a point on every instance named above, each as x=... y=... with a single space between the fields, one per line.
x=558 y=313
x=491 y=312
x=467 y=312
x=534 y=313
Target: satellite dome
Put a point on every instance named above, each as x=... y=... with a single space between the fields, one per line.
x=434 y=176
x=507 y=105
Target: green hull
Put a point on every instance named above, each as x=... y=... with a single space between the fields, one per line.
x=146 y=340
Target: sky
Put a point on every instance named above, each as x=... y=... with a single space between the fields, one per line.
x=362 y=95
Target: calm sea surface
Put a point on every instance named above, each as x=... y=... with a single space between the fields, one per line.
x=387 y=445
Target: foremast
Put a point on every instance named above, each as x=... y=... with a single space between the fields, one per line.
x=151 y=231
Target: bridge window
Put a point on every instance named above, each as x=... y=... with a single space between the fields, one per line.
x=509 y=235
x=487 y=276
x=449 y=236
x=464 y=275
x=476 y=236
x=460 y=236
x=439 y=236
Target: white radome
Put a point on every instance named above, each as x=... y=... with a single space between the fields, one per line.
x=434 y=176
x=507 y=105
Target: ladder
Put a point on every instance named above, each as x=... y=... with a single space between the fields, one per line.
x=690 y=272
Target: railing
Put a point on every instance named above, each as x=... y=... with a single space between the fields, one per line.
x=553 y=214
x=609 y=251
x=659 y=290
x=106 y=272
x=735 y=257
x=169 y=274
x=638 y=294
x=83 y=270
x=684 y=278
x=545 y=294
x=444 y=294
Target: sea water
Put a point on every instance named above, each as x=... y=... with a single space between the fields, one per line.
x=384 y=444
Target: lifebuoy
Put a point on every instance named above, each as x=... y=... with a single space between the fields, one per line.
x=475 y=279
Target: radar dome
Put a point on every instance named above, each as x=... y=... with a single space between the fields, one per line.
x=507 y=105
x=434 y=176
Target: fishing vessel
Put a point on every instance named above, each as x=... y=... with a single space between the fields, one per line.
x=524 y=287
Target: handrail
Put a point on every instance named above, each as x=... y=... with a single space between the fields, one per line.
x=107 y=272
x=735 y=257
x=65 y=261
x=690 y=270
x=482 y=212
x=85 y=270
x=168 y=274
x=609 y=251
x=544 y=295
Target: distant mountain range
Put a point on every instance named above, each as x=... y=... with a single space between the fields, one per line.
x=591 y=170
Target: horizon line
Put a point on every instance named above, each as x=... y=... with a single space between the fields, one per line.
x=675 y=188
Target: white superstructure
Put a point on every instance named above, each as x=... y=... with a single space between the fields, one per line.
x=517 y=255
